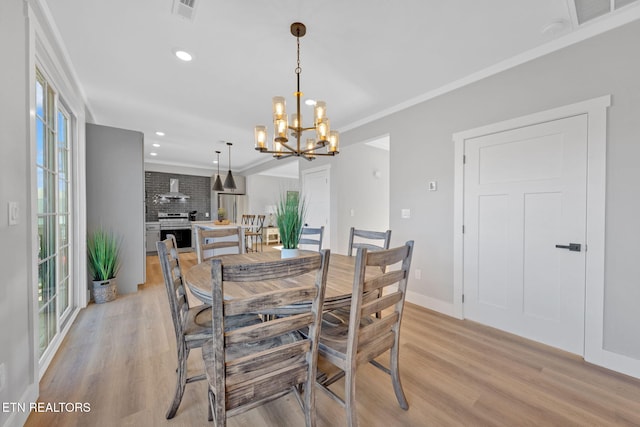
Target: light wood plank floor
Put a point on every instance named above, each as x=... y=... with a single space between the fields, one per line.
x=120 y=357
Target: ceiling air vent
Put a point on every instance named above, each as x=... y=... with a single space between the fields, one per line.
x=185 y=8
x=586 y=10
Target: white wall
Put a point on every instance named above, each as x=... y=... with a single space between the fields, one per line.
x=361 y=175
x=422 y=150
x=16 y=309
x=263 y=191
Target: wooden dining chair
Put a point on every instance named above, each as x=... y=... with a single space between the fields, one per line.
x=253 y=365
x=364 y=238
x=307 y=239
x=372 y=240
x=362 y=337
x=255 y=233
x=192 y=325
x=212 y=240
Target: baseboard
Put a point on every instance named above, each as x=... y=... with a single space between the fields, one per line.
x=430 y=303
x=617 y=362
x=606 y=359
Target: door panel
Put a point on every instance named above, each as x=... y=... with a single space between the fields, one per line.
x=315 y=185
x=525 y=192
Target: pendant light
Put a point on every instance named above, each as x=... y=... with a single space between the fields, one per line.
x=229 y=182
x=217 y=185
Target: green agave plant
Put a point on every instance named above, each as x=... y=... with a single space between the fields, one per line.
x=103 y=250
x=290 y=214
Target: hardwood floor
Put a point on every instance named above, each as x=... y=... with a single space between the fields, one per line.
x=120 y=358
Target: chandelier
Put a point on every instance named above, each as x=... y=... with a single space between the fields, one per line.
x=324 y=136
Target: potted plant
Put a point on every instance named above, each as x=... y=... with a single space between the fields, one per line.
x=222 y=214
x=290 y=214
x=103 y=253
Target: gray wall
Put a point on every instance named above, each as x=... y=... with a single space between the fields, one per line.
x=115 y=196
x=362 y=191
x=198 y=188
x=16 y=336
x=422 y=149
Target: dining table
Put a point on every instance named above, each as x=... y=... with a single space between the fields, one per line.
x=337 y=293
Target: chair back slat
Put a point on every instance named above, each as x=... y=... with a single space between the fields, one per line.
x=266 y=330
x=306 y=237
x=381 y=303
x=362 y=239
x=268 y=270
x=277 y=298
x=367 y=332
x=238 y=369
x=385 y=280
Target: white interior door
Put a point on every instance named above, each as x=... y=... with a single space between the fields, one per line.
x=525 y=193
x=315 y=188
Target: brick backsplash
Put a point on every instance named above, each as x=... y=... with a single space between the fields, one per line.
x=197 y=187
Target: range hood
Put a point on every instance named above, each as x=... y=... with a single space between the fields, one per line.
x=174 y=191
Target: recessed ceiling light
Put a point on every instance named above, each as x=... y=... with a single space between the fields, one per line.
x=310 y=102
x=183 y=55
x=156 y=145
x=159 y=133
x=153 y=154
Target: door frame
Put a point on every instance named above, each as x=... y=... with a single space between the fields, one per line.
x=596 y=110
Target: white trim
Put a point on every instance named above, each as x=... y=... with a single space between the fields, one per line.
x=614 y=20
x=18 y=418
x=596 y=109
x=430 y=303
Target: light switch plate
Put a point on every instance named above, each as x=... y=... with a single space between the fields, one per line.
x=433 y=185
x=14 y=213
x=405 y=213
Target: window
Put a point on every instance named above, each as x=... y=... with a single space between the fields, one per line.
x=53 y=146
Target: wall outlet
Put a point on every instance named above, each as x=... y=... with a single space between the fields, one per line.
x=417 y=273
x=405 y=213
x=3 y=376
x=433 y=185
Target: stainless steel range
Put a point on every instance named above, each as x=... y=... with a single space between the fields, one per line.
x=177 y=224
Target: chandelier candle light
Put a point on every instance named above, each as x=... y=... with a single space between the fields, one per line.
x=325 y=137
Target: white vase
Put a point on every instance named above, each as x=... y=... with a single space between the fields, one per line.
x=289 y=253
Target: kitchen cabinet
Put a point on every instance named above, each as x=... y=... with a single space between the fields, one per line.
x=152 y=235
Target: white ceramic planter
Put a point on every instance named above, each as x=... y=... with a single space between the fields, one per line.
x=289 y=253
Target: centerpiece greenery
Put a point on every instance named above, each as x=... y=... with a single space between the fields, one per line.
x=290 y=215
x=103 y=253
x=222 y=214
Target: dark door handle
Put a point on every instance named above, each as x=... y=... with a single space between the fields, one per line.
x=574 y=247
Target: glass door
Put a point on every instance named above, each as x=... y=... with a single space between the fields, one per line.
x=53 y=178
